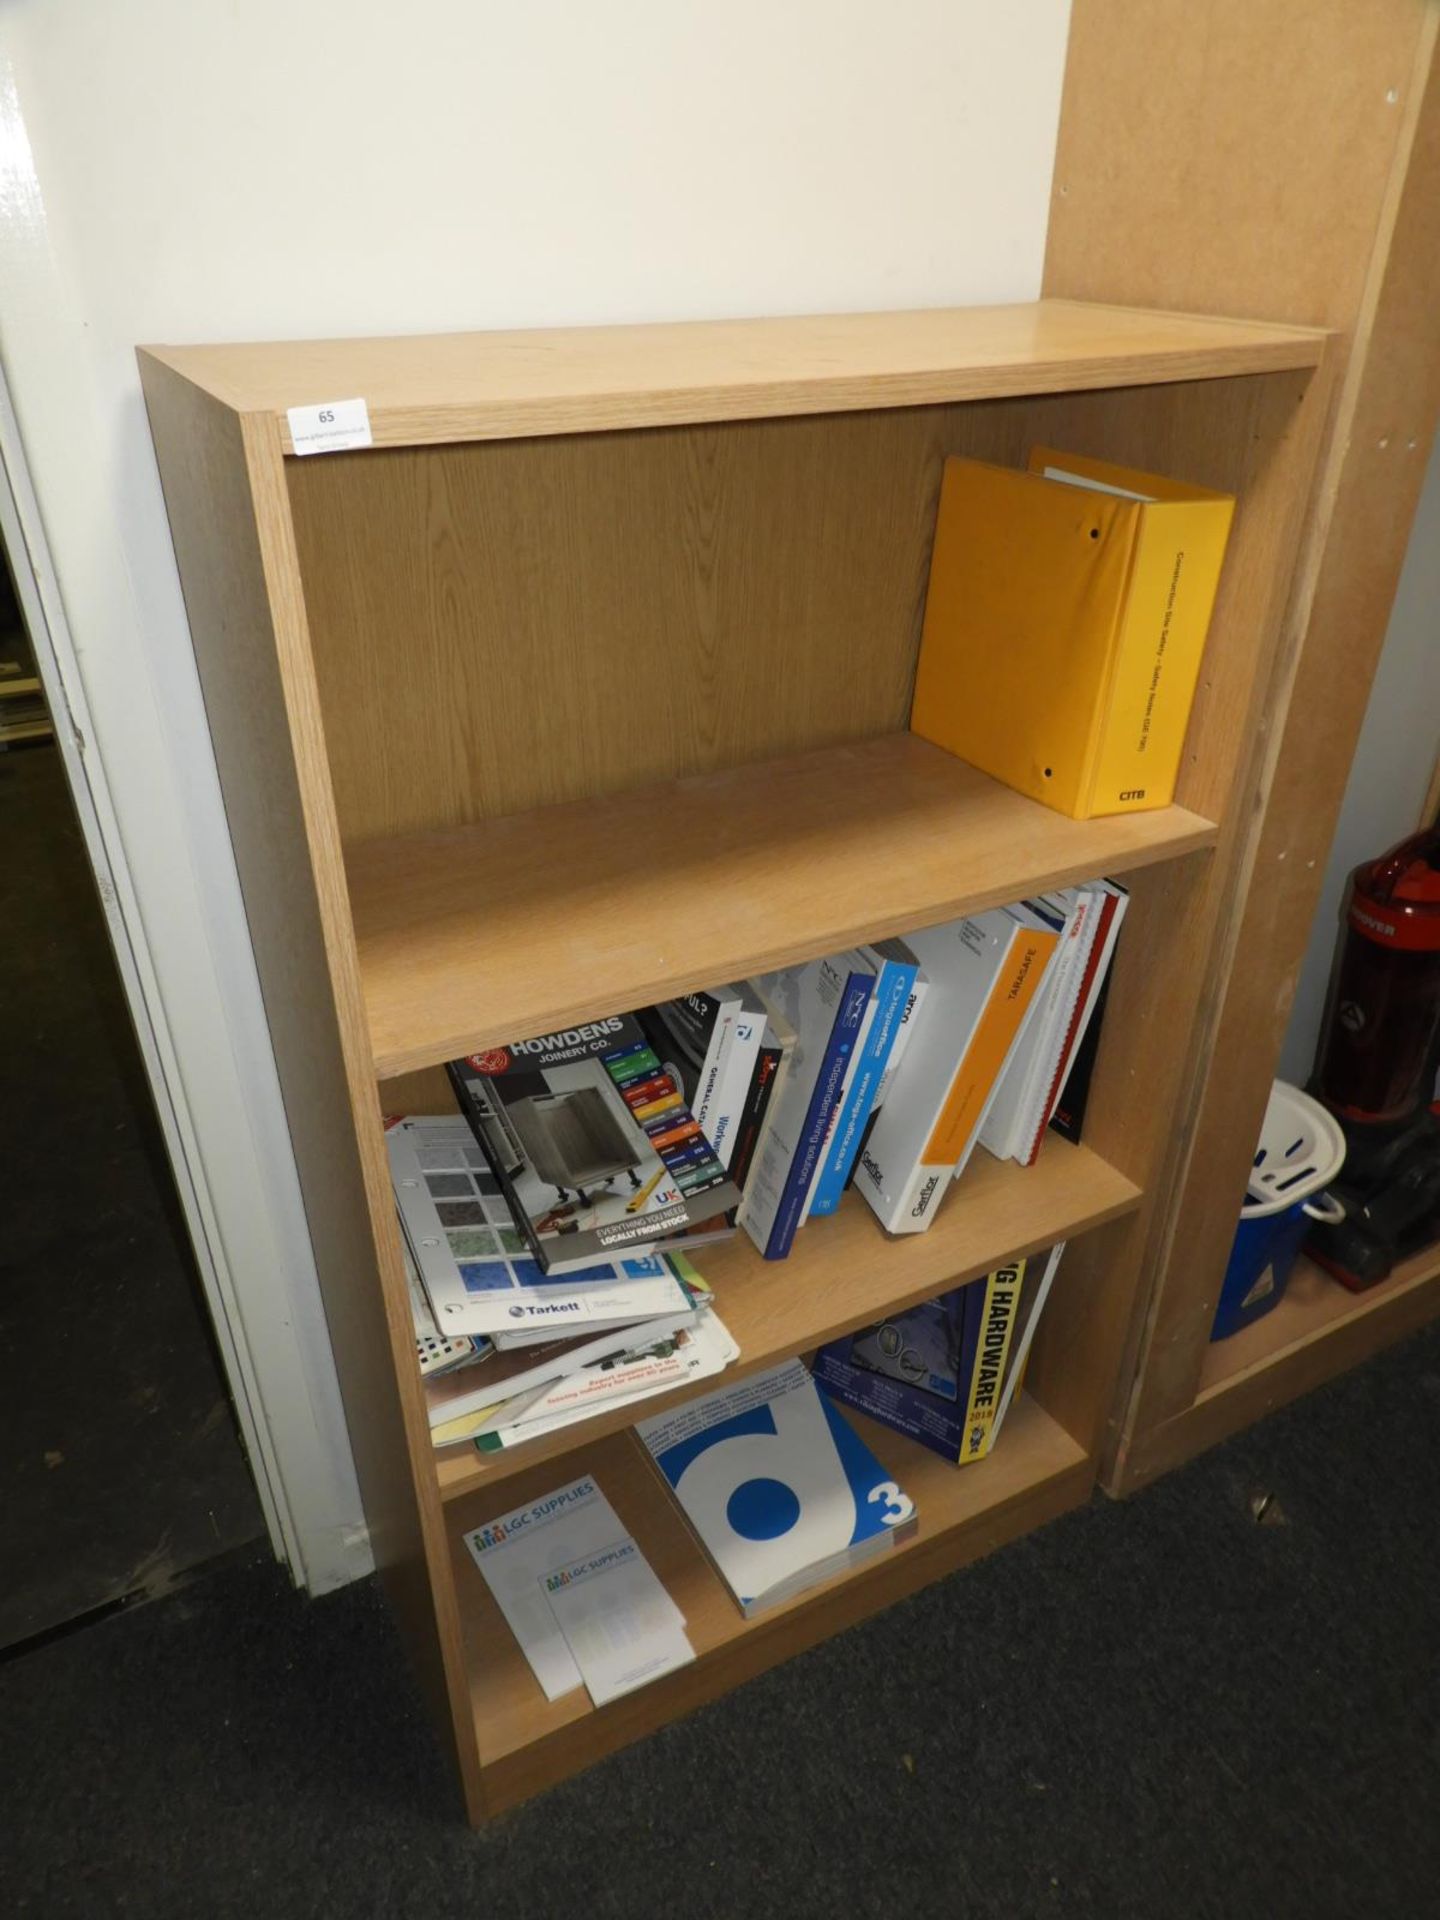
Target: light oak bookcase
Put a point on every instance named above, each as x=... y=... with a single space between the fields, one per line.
x=588 y=683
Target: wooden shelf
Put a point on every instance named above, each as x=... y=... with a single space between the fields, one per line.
x=844 y=1272
x=1319 y=1329
x=1036 y=1472
x=480 y=935
x=473 y=386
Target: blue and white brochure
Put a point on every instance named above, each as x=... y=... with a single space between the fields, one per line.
x=779 y=1488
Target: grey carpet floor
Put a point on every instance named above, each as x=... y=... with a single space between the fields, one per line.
x=1162 y=1709
x=120 y=1466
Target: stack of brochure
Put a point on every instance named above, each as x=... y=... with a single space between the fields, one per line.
x=579 y=1596
x=593 y=1145
x=508 y=1350
x=1087 y=920
x=435 y=1352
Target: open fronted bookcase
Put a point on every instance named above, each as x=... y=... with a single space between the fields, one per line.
x=588 y=683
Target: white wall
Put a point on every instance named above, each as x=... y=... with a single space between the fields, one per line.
x=191 y=170
x=1394 y=759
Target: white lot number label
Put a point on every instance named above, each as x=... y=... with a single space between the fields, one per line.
x=332 y=427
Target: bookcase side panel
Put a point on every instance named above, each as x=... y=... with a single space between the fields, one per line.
x=225 y=497
x=1151 y=1017
x=1256 y=438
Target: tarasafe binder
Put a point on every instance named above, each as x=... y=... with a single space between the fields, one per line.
x=1064 y=625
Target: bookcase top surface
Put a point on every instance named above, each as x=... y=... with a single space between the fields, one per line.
x=436 y=388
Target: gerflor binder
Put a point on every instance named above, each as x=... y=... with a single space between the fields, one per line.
x=1064 y=626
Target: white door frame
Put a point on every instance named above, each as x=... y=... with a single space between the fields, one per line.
x=86 y=525
x=25 y=546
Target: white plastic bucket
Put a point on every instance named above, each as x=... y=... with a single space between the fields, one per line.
x=1301 y=1150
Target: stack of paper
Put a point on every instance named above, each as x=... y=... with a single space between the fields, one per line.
x=678 y=1359
x=473 y=1263
x=620 y=1625
x=438 y=1353
x=556 y=1350
x=579 y=1595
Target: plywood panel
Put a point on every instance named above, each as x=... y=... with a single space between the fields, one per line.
x=443 y=387
x=1359 y=249
x=1228 y=156
x=1318 y=1332
x=1354 y=589
x=1317 y=1311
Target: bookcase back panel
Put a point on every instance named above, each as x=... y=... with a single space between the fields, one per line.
x=502 y=625
x=509 y=624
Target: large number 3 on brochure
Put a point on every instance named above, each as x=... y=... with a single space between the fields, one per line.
x=770 y=1503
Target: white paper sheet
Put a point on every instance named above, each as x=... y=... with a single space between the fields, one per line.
x=619 y=1623
x=516 y=1551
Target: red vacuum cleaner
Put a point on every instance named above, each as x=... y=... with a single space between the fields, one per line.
x=1376 y=1065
